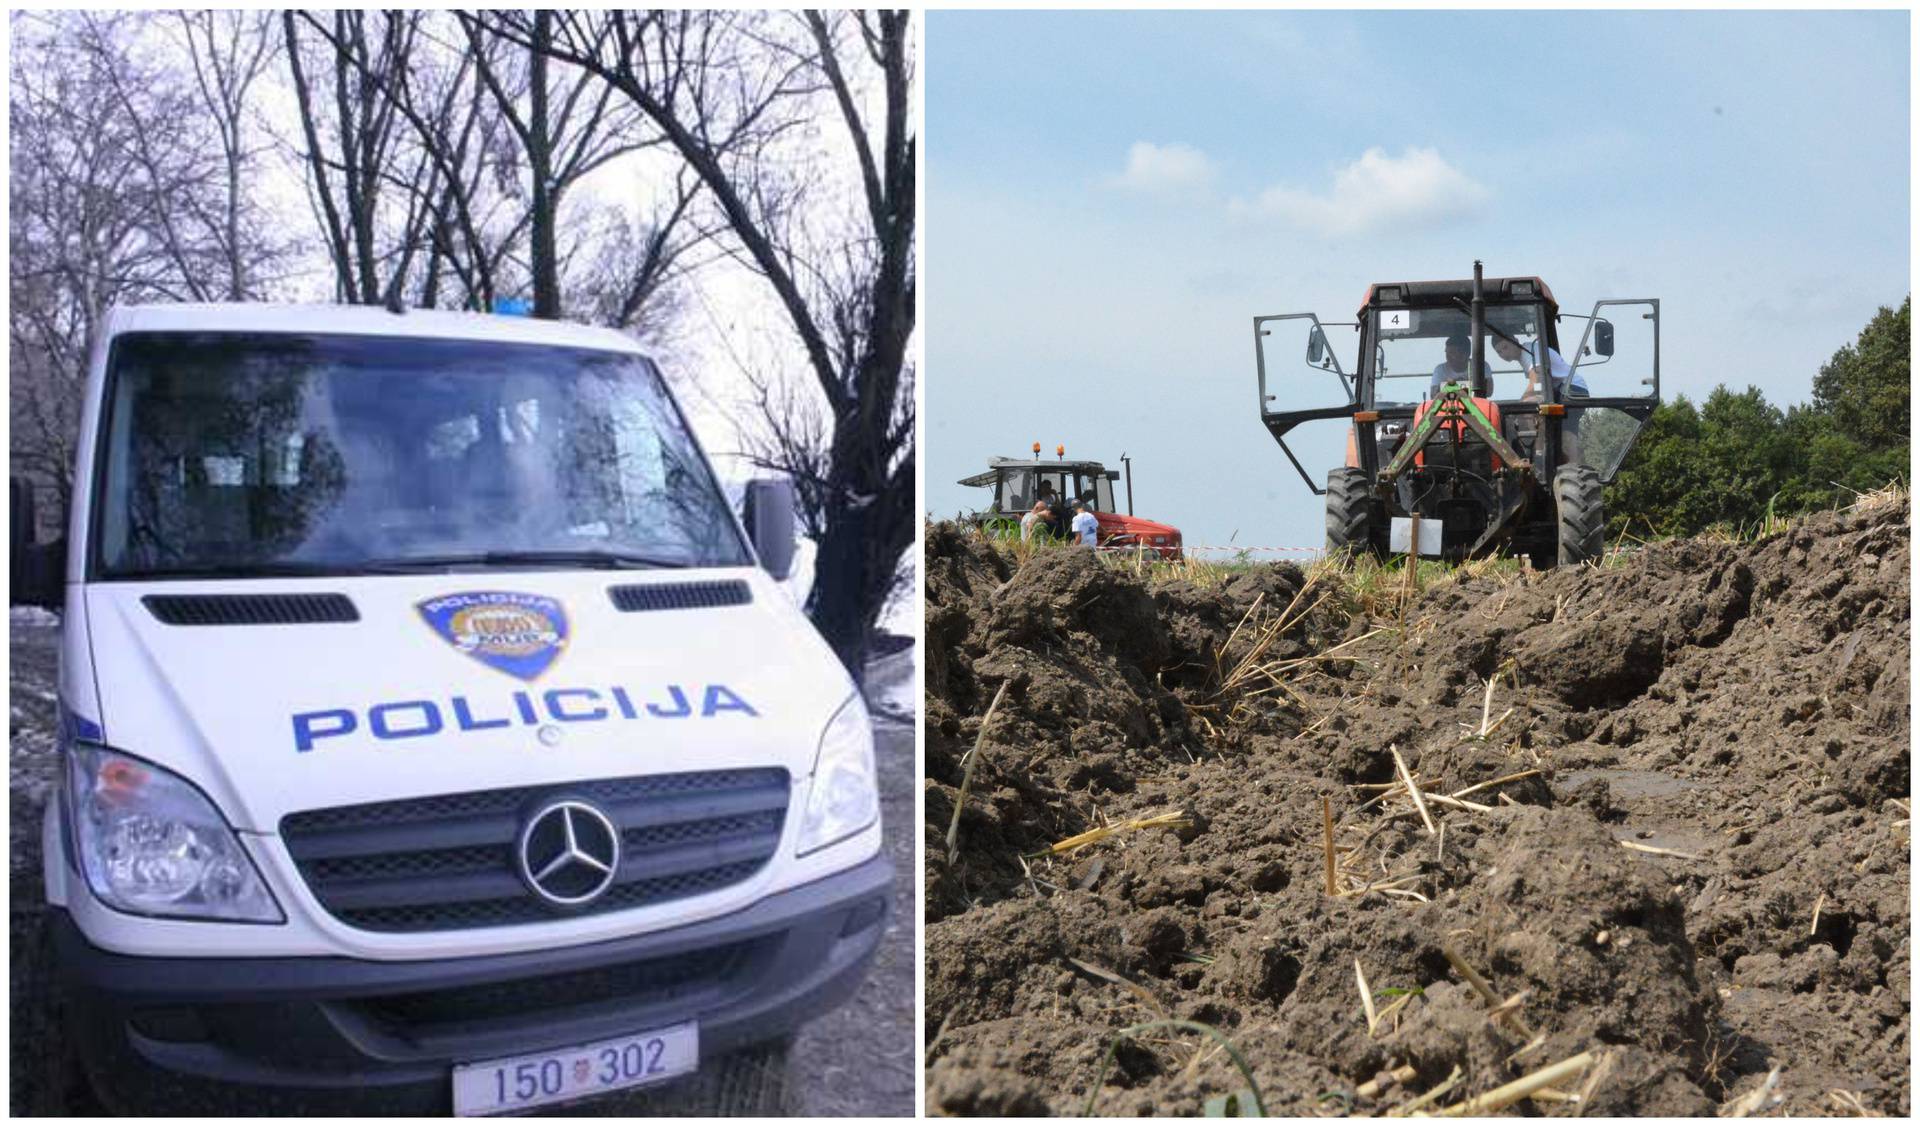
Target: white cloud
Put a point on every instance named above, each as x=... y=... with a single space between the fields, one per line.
x=1161 y=168
x=1377 y=193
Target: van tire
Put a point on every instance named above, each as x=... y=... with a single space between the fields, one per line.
x=1355 y=518
x=1581 y=514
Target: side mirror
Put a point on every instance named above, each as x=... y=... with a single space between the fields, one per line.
x=1316 y=347
x=1113 y=475
x=769 y=518
x=39 y=570
x=1603 y=337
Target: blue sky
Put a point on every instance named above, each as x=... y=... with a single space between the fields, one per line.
x=1112 y=197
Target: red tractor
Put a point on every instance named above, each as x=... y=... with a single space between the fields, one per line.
x=1018 y=482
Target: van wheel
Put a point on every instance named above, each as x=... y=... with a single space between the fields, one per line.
x=1354 y=520
x=1582 y=516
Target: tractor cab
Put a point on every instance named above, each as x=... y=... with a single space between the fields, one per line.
x=1452 y=421
x=1017 y=483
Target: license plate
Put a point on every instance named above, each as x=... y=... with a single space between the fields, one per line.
x=512 y=1083
x=1400 y=536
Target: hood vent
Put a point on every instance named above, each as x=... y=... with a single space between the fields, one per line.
x=251 y=610
x=635 y=597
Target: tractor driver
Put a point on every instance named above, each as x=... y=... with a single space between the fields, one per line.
x=1454 y=369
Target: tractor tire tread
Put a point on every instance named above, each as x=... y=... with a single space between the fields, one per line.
x=1350 y=512
x=1582 y=517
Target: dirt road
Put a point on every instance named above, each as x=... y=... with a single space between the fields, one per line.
x=1683 y=852
x=860 y=1059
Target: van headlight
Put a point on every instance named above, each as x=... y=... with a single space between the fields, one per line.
x=843 y=798
x=150 y=843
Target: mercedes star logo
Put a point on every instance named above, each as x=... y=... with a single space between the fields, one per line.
x=569 y=853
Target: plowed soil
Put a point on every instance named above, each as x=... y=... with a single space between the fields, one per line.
x=1739 y=712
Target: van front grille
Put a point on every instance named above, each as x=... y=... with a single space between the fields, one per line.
x=667 y=979
x=449 y=861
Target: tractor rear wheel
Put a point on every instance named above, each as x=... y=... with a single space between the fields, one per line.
x=1354 y=517
x=1582 y=514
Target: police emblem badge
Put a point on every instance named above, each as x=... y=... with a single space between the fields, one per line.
x=517 y=633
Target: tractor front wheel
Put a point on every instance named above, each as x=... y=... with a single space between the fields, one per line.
x=1356 y=520
x=1582 y=514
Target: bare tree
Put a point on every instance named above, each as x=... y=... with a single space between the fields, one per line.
x=500 y=133
x=628 y=280
x=443 y=157
x=230 y=51
x=356 y=154
x=567 y=126
x=795 y=439
x=729 y=90
x=100 y=213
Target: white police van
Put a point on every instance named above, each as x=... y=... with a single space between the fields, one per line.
x=434 y=735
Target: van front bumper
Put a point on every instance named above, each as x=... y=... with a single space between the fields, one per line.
x=354 y=1036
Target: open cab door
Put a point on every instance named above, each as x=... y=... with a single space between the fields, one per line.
x=1619 y=362
x=1301 y=381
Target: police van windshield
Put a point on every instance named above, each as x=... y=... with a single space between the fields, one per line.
x=271 y=454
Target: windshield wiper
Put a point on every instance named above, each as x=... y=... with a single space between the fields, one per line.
x=589 y=558
x=271 y=569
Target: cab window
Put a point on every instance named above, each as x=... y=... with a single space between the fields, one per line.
x=1016 y=491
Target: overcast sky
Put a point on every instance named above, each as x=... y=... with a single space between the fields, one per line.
x=1111 y=199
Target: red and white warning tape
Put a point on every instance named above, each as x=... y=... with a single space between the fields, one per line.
x=1315 y=549
x=1234 y=549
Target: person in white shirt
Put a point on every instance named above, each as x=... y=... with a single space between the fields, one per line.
x=1454 y=369
x=1033 y=517
x=1557 y=365
x=1566 y=383
x=1086 y=527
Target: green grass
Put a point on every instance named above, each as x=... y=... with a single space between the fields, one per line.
x=1379 y=588
x=1773 y=522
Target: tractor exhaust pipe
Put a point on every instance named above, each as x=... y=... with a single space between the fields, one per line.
x=1477 y=363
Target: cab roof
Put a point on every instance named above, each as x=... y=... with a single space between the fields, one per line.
x=995 y=465
x=1446 y=293
x=359 y=320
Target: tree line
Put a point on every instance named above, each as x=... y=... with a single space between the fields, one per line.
x=1734 y=460
x=438 y=159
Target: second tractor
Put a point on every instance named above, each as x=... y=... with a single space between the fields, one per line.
x=1019 y=482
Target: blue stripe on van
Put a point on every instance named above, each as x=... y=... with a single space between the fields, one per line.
x=78 y=727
